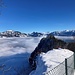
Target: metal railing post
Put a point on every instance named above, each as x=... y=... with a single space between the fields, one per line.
x=66 y=67
x=74 y=60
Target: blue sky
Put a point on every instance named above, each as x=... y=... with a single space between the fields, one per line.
x=38 y=15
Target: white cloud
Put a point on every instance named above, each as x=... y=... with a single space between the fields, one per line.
x=14 y=54
x=10 y=46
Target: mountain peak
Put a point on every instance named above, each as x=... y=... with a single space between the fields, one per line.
x=67 y=30
x=10 y=30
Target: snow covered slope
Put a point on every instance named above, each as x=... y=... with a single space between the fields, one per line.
x=50 y=60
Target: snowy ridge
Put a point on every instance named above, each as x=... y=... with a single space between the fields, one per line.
x=47 y=61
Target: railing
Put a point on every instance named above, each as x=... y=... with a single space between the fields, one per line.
x=64 y=68
x=74 y=60
x=70 y=65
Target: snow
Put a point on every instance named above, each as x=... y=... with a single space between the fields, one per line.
x=47 y=61
x=14 y=54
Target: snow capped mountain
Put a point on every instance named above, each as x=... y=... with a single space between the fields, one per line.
x=12 y=33
x=36 y=34
x=64 y=33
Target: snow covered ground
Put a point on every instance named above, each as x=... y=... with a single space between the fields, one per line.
x=51 y=59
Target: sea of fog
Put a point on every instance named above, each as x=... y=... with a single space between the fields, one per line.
x=14 y=55
x=66 y=38
x=11 y=46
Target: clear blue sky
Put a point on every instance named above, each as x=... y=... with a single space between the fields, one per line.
x=38 y=15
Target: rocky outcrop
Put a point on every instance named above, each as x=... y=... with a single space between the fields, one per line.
x=71 y=46
x=49 y=43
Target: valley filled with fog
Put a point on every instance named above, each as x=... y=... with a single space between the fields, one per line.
x=14 y=54
x=66 y=38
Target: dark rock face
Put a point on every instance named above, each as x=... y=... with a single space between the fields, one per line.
x=45 y=44
x=49 y=43
x=71 y=46
x=59 y=43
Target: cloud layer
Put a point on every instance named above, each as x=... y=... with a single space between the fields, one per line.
x=10 y=46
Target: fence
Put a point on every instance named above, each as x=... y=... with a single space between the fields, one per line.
x=74 y=60
x=64 y=68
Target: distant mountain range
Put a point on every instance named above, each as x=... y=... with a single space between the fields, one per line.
x=11 y=33
x=64 y=33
